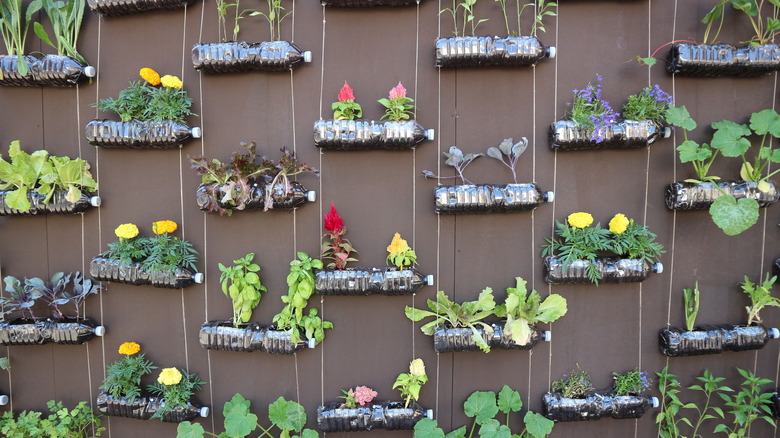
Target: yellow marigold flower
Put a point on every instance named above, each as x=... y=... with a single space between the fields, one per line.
x=161 y=227
x=169 y=376
x=129 y=348
x=398 y=245
x=126 y=231
x=580 y=220
x=417 y=368
x=619 y=223
x=150 y=76
x=169 y=81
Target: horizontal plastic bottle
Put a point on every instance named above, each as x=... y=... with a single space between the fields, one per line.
x=567 y=135
x=344 y=135
x=294 y=199
x=112 y=8
x=139 y=135
x=490 y=51
x=103 y=269
x=683 y=195
x=714 y=339
x=49 y=70
x=388 y=415
x=370 y=280
x=490 y=198
x=454 y=339
x=239 y=56
x=56 y=205
x=248 y=337
x=143 y=408
x=612 y=269
x=367 y=3
x=595 y=406
x=712 y=60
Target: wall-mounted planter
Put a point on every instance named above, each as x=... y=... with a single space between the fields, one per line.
x=491 y=51
x=136 y=134
x=388 y=415
x=714 y=339
x=490 y=198
x=47 y=70
x=370 y=280
x=221 y=335
x=613 y=270
x=56 y=205
x=567 y=135
x=711 y=60
x=774 y=404
x=258 y=189
x=558 y=408
x=350 y=135
x=103 y=269
x=683 y=195
x=142 y=408
x=112 y=8
x=456 y=339
x=68 y=331
x=240 y=56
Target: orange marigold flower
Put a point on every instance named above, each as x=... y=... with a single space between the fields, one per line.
x=150 y=76
x=129 y=348
x=161 y=227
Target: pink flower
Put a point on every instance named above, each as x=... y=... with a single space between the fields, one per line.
x=346 y=93
x=363 y=395
x=333 y=222
x=397 y=91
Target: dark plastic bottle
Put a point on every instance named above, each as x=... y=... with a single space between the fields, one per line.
x=490 y=198
x=567 y=135
x=561 y=409
x=240 y=56
x=49 y=70
x=712 y=60
x=112 y=8
x=490 y=51
x=386 y=415
x=68 y=331
x=298 y=197
x=143 y=408
x=103 y=269
x=56 y=205
x=367 y=3
x=248 y=337
x=139 y=135
x=456 y=339
x=714 y=339
x=683 y=195
x=349 y=135
x=613 y=270
x=371 y=280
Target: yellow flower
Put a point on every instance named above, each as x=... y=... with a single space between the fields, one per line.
x=619 y=223
x=161 y=227
x=150 y=76
x=580 y=220
x=169 y=376
x=126 y=231
x=129 y=348
x=398 y=245
x=417 y=368
x=169 y=81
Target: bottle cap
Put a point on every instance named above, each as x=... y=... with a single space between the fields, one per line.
x=100 y=330
x=312 y=343
x=311 y=196
x=658 y=267
x=654 y=402
x=546 y=336
x=430 y=134
x=95 y=201
x=549 y=196
x=551 y=52
x=204 y=411
x=774 y=333
x=307 y=56
x=429 y=414
x=667 y=132
x=3 y=400
x=429 y=280
x=197 y=277
x=196 y=132
x=89 y=71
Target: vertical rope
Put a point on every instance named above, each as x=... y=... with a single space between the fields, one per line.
x=555 y=174
x=438 y=216
x=322 y=297
x=181 y=196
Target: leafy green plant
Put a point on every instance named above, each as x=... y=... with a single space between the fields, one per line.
x=670 y=419
x=633 y=382
x=78 y=422
x=576 y=384
x=649 y=104
x=175 y=388
x=274 y=15
x=300 y=284
x=523 y=309
x=123 y=377
x=691 y=302
x=484 y=408
x=511 y=150
x=154 y=99
x=44 y=174
x=285 y=415
x=467 y=314
x=701 y=156
x=162 y=252
x=21 y=296
x=747 y=405
x=466 y=16
x=760 y=297
x=397 y=105
x=239 y=14
x=457 y=159
x=411 y=383
x=542 y=10
x=13 y=28
x=56 y=293
x=65 y=17
x=241 y=284
x=756 y=11
x=345 y=108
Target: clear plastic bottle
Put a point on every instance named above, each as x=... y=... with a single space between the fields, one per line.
x=103 y=269
x=613 y=270
x=714 y=339
x=387 y=415
x=348 y=135
x=683 y=195
x=297 y=197
x=490 y=51
x=712 y=60
x=139 y=135
x=49 y=70
x=455 y=339
x=239 y=56
x=367 y=3
x=56 y=205
x=567 y=135
x=370 y=280
x=558 y=408
x=38 y=331
x=112 y=8
x=143 y=408
x=490 y=198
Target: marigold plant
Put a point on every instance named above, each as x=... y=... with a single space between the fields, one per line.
x=162 y=252
x=170 y=81
x=129 y=348
x=169 y=376
x=150 y=76
x=580 y=220
x=147 y=101
x=618 y=224
x=126 y=231
x=123 y=377
x=166 y=226
x=175 y=388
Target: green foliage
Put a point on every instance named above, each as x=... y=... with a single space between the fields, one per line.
x=670 y=419
x=466 y=16
x=746 y=406
x=633 y=382
x=576 y=384
x=574 y=243
x=468 y=314
x=511 y=150
x=760 y=297
x=132 y=103
x=162 y=252
x=5 y=364
x=755 y=10
x=123 y=377
x=287 y=416
x=300 y=282
x=44 y=174
x=346 y=110
x=636 y=242
x=23 y=295
x=222 y=11
x=274 y=15
x=650 y=104
x=78 y=422
x=523 y=309
x=457 y=159
x=175 y=395
x=484 y=407
x=13 y=29
x=242 y=285
x=410 y=384
x=701 y=156
x=732 y=139
x=147 y=103
x=691 y=303
x=65 y=17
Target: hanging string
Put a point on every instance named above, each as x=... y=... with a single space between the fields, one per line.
x=181 y=196
x=438 y=216
x=555 y=174
x=322 y=297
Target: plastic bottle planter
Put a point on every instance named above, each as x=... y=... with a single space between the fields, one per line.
x=490 y=51
x=69 y=331
x=48 y=70
x=714 y=339
x=774 y=404
x=567 y=135
x=558 y=408
x=111 y=8
x=103 y=269
x=367 y=3
x=369 y=281
x=455 y=339
x=258 y=188
x=490 y=198
x=142 y=408
x=711 y=60
x=683 y=195
x=56 y=205
x=389 y=415
x=350 y=135
x=613 y=270
x=221 y=335
x=136 y=134
x=240 y=56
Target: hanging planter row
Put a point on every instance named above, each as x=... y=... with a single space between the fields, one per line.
x=112 y=8
x=714 y=60
x=387 y=415
x=249 y=337
x=144 y=408
x=558 y=408
x=139 y=134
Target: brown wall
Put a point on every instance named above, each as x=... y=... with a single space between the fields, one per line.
x=609 y=328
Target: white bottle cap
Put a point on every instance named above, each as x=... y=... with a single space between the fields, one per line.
x=429 y=280
x=549 y=196
x=204 y=411
x=429 y=414
x=95 y=201
x=658 y=268
x=89 y=71
x=546 y=336
x=307 y=56
x=312 y=343
x=311 y=196
x=667 y=132
x=197 y=277
x=196 y=132
x=430 y=134
x=551 y=52
x=3 y=400
x=100 y=330
x=654 y=402
x=774 y=333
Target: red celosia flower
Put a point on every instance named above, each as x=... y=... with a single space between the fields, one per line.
x=397 y=91
x=333 y=222
x=346 y=93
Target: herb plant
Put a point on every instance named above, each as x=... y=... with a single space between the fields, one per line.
x=411 y=383
x=650 y=104
x=346 y=108
x=760 y=297
x=691 y=302
x=589 y=110
x=78 y=422
x=756 y=11
x=543 y=9
x=457 y=159
x=123 y=377
x=631 y=383
x=671 y=420
x=398 y=106
x=523 y=309
x=222 y=11
x=746 y=406
x=241 y=284
x=154 y=99
x=576 y=384
x=336 y=247
x=175 y=388
x=13 y=29
x=400 y=254
x=275 y=15
x=300 y=284
x=65 y=17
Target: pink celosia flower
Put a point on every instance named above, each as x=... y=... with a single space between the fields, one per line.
x=333 y=221
x=363 y=395
x=346 y=93
x=397 y=91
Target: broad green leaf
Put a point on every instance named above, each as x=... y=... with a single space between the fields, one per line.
x=239 y=422
x=427 y=428
x=552 y=308
x=509 y=400
x=519 y=331
x=732 y=216
x=190 y=430
x=287 y=415
x=766 y=121
x=729 y=138
x=457 y=433
x=679 y=116
x=537 y=425
x=481 y=405
x=494 y=429
x=691 y=151
x=308 y=433
x=18 y=199
x=746 y=171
